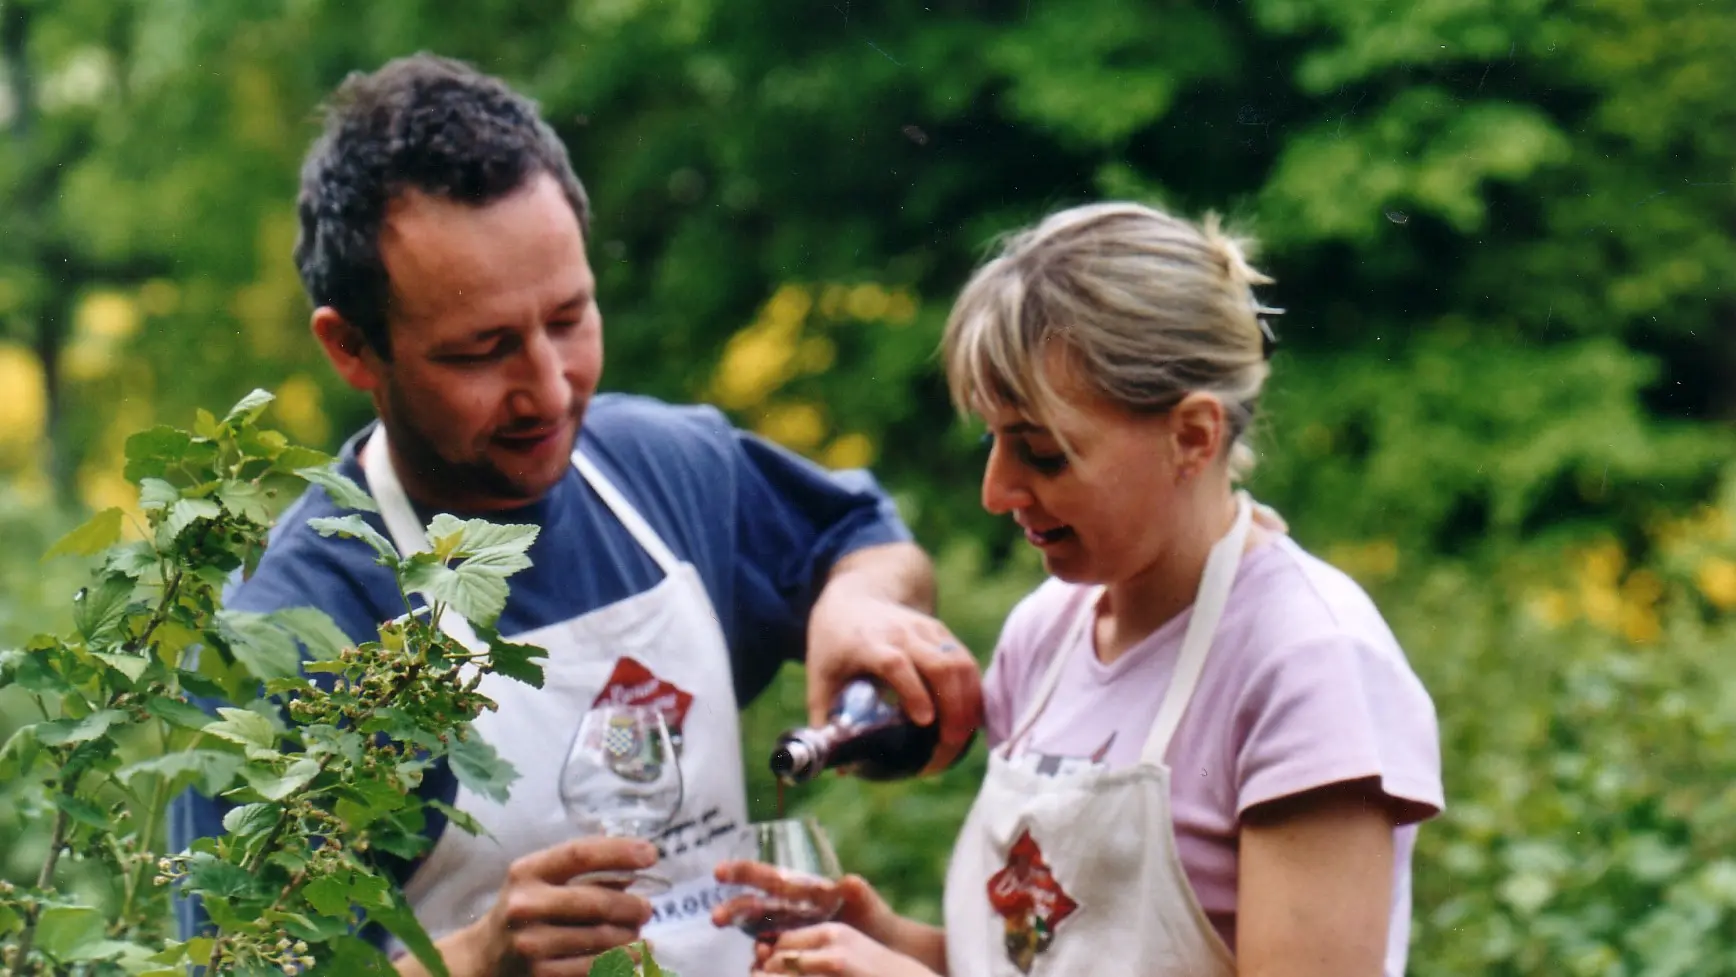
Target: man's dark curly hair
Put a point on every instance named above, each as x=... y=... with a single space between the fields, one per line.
x=422 y=123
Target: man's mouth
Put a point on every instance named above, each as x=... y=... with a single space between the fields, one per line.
x=524 y=442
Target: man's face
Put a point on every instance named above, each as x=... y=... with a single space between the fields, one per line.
x=496 y=345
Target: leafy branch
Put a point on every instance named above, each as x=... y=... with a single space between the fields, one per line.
x=317 y=742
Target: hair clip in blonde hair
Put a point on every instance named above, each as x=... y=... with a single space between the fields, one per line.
x=1268 y=338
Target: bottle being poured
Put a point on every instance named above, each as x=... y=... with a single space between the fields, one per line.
x=867 y=735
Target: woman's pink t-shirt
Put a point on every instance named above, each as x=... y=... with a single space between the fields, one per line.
x=1305 y=686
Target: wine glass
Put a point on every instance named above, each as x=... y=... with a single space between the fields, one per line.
x=622 y=779
x=802 y=892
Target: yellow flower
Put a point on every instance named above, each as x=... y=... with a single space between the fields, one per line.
x=23 y=400
x=798 y=425
x=1716 y=577
x=849 y=451
x=1553 y=607
x=1602 y=563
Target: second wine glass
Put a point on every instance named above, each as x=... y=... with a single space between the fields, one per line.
x=804 y=891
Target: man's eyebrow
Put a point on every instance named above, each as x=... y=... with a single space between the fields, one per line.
x=579 y=300
x=1024 y=427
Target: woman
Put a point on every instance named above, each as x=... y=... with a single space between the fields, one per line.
x=1209 y=752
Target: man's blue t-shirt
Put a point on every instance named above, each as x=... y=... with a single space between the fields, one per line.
x=763 y=527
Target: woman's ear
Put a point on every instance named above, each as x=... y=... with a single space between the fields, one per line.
x=348 y=350
x=1198 y=433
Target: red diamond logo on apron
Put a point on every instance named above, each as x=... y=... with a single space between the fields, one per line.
x=1029 y=900
x=632 y=684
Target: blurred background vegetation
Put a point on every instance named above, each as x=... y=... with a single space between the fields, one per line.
x=1503 y=400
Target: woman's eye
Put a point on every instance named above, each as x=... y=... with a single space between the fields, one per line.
x=1043 y=464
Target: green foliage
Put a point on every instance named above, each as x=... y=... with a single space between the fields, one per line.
x=1502 y=230
x=321 y=774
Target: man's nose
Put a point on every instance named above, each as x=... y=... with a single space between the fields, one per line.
x=543 y=388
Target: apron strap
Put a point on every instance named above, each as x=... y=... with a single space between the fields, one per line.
x=1215 y=585
x=641 y=530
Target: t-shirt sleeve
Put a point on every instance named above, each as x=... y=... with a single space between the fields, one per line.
x=1336 y=709
x=794 y=520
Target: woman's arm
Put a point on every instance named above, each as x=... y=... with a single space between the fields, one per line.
x=1315 y=884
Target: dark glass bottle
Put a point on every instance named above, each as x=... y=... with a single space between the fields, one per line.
x=866 y=736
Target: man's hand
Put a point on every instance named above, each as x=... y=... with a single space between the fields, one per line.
x=546 y=924
x=868 y=622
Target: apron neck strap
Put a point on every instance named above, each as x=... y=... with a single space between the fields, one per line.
x=641 y=530
x=410 y=536
x=1208 y=608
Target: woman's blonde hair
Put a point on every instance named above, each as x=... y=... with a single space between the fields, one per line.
x=1147 y=307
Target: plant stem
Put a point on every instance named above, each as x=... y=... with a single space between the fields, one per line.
x=147 y=843
x=159 y=615
x=43 y=880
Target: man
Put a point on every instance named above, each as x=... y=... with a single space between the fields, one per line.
x=443 y=245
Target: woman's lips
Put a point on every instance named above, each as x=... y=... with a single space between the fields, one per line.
x=1047 y=537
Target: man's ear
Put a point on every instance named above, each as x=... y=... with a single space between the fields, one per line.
x=347 y=350
x=1199 y=427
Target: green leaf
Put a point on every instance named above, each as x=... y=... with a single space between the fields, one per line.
x=353 y=957
x=205 y=424
x=319 y=635
x=476 y=593
x=132 y=560
x=99 y=533
x=150 y=453
x=132 y=666
x=297 y=456
x=614 y=963
x=248 y=408
x=98 y=611
x=345 y=493
x=479 y=768
x=459 y=818
x=246 y=499
x=154 y=494
x=266 y=650
x=210 y=769
x=252 y=820
x=249 y=729
x=274 y=786
x=62 y=731
x=398 y=919
x=213 y=876
x=179 y=712
x=63 y=931
x=83 y=811
x=320 y=930
x=648 y=963
x=354 y=527
x=329 y=895
x=514 y=660
x=10 y=922
x=479 y=538
x=184 y=513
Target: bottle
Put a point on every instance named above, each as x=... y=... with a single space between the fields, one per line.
x=867 y=736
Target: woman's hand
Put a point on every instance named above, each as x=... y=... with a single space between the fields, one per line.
x=850 y=900
x=836 y=950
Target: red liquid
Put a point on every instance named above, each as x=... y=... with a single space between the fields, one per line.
x=769 y=924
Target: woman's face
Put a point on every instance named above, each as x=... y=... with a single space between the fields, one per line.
x=1106 y=511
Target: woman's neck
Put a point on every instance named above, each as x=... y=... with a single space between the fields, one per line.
x=1133 y=609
